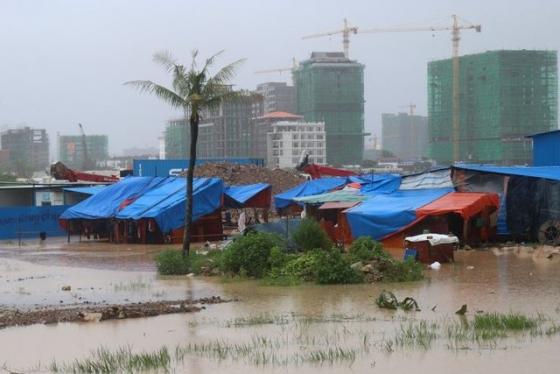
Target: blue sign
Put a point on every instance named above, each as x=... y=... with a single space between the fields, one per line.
x=174 y=168
x=29 y=221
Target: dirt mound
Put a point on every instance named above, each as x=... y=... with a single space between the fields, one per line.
x=101 y=313
x=232 y=174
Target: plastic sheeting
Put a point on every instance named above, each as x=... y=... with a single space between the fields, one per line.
x=466 y=180
x=106 y=203
x=432 y=179
x=340 y=195
x=379 y=183
x=312 y=187
x=90 y=190
x=237 y=196
x=166 y=204
x=384 y=214
x=530 y=202
x=547 y=172
x=467 y=204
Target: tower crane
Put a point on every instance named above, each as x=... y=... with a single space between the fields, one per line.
x=455 y=29
x=279 y=70
x=411 y=108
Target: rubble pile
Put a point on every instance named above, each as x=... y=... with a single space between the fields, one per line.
x=233 y=174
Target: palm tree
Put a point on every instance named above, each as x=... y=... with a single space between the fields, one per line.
x=193 y=90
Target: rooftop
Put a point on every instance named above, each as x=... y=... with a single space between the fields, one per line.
x=280 y=115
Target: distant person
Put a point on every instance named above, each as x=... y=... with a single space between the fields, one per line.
x=241 y=222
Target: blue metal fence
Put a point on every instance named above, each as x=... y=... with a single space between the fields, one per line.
x=29 y=221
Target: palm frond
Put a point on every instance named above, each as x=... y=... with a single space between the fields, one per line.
x=194 y=54
x=162 y=92
x=210 y=61
x=166 y=59
x=226 y=73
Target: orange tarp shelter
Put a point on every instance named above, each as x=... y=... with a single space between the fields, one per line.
x=466 y=204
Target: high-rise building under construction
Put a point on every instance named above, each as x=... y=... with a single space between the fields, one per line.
x=330 y=89
x=405 y=135
x=503 y=97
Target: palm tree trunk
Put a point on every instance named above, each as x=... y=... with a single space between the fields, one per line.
x=187 y=233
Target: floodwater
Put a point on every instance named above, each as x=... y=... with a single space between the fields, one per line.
x=282 y=326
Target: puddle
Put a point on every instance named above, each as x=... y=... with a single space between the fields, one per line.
x=291 y=322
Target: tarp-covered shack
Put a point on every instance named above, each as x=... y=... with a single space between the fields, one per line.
x=384 y=214
x=469 y=216
x=313 y=187
x=530 y=197
x=258 y=195
x=148 y=209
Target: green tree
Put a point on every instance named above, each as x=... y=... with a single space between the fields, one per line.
x=193 y=89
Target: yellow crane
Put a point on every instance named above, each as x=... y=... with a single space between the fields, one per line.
x=279 y=70
x=455 y=29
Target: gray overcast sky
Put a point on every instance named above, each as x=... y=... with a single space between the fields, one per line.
x=64 y=61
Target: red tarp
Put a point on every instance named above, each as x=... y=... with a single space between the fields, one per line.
x=467 y=204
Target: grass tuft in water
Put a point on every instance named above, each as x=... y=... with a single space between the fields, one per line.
x=122 y=360
x=510 y=321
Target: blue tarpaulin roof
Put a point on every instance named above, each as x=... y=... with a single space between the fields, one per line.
x=384 y=214
x=546 y=172
x=166 y=204
x=106 y=202
x=241 y=194
x=378 y=183
x=312 y=187
x=90 y=190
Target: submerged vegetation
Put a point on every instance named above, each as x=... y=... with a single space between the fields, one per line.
x=121 y=360
x=265 y=256
x=340 y=340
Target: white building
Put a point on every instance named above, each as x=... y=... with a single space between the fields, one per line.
x=288 y=140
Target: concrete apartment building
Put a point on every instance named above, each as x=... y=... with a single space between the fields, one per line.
x=263 y=125
x=287 y=140
x=24 y=150
x=405 y=135
x=223 y=132
x=71 y=152
x=330 y=89
x=277 y=97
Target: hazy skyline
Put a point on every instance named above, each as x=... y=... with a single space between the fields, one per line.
x=65 y=62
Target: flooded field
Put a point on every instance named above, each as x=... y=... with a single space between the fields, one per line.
x=308 y=328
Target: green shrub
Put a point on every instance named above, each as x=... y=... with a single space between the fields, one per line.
x=277 y=258
x=303 y=266
x=365 y=249
x=332 y=267
x=172 y=262
x=407 y=271
x=250 y=254
x=205 y=263
x=309 y=235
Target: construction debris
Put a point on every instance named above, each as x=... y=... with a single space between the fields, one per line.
x=234 y=174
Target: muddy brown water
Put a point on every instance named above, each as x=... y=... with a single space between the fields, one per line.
x=516 y=279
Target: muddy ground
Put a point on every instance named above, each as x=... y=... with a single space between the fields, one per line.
x=48 y=315
x=303 y=329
